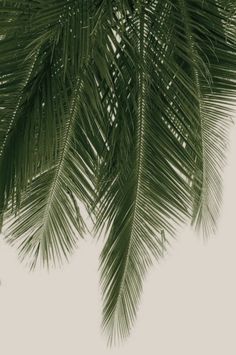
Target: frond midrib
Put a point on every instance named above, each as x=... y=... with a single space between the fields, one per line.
x=140 y=148
x=195 y=76
x=18 y=104
x=62 y=157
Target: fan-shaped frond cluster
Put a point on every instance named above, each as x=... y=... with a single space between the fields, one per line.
x=121 y=105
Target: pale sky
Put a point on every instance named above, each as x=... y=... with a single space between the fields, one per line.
x=188 y=306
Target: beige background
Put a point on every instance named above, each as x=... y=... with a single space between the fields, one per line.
x=188 y=305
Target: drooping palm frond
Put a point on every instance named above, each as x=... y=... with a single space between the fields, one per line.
x=58 y=117
x=167 y=136
x=13 y=82
x=124 y=106
x=210 y=64
x=145 y=191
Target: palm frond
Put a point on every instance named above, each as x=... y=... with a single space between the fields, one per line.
x=59 y=120
x=143 y=191
x=208 y=46
x=48 y=223
x=165 y=142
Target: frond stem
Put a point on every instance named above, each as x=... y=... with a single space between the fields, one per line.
x=59 y=167
x=140 y=139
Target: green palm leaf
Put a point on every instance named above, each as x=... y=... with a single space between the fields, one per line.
x=166 y=143
x=202 y=38
x=123 y=106
x=55 y=134
x=147 y=193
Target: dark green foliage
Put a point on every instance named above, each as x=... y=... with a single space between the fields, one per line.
x=123 y=106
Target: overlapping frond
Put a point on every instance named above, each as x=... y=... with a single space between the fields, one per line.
x=124 y=106
x=48 y=223
x=205 y=45
x=57 y=125
x=144 y=188
x=165 y=144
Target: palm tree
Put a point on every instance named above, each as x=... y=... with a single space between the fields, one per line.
x=123 y=106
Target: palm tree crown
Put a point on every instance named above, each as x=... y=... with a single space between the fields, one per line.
x=121 y=105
